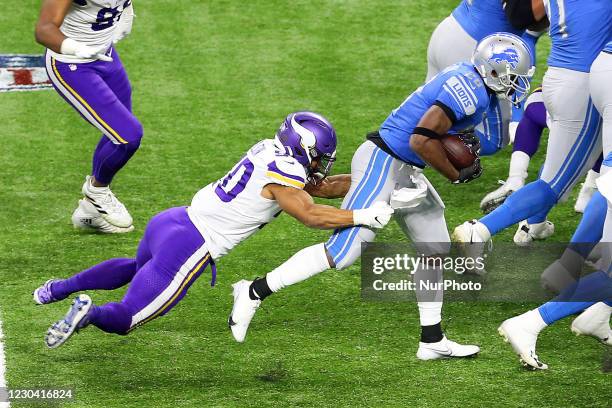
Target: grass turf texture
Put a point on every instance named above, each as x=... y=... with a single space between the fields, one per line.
x=210 y=79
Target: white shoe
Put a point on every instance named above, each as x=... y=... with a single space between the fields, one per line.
x=497 y=197
x=106 y=204
x=587 y=190
x=556 y=277
x=522 y=334
x=595 y=322
x=445 y=348
x=86 y=216
x=472 y=237
x=243 y=310
x=527 y=233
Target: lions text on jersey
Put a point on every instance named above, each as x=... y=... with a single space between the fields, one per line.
x=230 y=210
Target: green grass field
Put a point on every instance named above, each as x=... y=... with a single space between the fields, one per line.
x=210 y=78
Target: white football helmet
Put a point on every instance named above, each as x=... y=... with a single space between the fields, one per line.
x=505 y=64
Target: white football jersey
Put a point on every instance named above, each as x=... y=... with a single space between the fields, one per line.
x=231 y=209
x=91 y=22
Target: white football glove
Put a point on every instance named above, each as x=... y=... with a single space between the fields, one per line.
x=124 y=26
x=78 y=49
x=376 y=216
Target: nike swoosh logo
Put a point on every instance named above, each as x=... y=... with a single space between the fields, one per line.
x=376 y=219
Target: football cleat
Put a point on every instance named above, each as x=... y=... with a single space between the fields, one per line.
x=101 y=210
x=472 y=237
x=75 y=319
x=594 y=322
x=517 y=332
x=445 y=348
x=243 y=310
x=497 y=197
x=43 y=295
x=587 y=190
x=527 y=233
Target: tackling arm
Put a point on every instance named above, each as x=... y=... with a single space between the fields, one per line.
x=52 y=14
x=430 y=149
x=330 y=187
x=300 y=205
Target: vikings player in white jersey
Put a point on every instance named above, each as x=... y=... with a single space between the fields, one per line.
x=85 y=69
x=180 y=243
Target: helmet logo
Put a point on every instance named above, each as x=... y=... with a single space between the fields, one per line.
x=308 y=139
x=509 y=56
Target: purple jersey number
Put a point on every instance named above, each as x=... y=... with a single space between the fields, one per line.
x=231 y=185
x=106 y=18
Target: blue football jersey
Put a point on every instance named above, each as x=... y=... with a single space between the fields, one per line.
x=459 y=88
x=480 y=18
x=608 y=47
x=579 y=30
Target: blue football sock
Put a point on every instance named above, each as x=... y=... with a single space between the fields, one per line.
x=590 y=230
x=589 y=290
x=534 y=198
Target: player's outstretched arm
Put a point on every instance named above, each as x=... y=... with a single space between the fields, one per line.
x=52 y=14
x=330 y=187
x=428 y=147
x=300 y=205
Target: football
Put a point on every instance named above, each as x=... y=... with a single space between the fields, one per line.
x=458 y=153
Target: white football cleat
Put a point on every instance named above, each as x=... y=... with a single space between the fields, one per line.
x=497 y=197
x=243 y=310
x=101 y=210
x=595 y=322
x=75 y=319
x=556 y=277
x=522 y=334
x=527 y=233
x=472 y=237
x=445 y=348
x=587 y=190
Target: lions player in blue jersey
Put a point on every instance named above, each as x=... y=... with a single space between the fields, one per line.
x=594 y=291
x=579 y=31
x=390 y=163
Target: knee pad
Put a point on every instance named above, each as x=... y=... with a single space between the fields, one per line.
x=133 y=136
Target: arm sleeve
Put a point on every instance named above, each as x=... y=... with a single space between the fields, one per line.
x=286 y=171
x=458 y=98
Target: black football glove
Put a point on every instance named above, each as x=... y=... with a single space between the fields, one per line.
x=469 y=173
x=471 y=140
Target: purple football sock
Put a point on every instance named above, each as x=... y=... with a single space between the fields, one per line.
x=108 y=275
x=530 y=129
x=111 y=318
x=109 y=158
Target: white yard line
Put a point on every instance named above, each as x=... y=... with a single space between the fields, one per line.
x=2 y=367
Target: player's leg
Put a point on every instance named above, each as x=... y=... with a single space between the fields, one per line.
x=425 y=226
x=528 y=135
x=179 y=256
x=440 y=55
x=372 y=179
x=571 y=152
x=588 y=187
x=108 y=275
x=83 y=87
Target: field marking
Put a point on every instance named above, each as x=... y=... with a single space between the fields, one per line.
x=2 y=367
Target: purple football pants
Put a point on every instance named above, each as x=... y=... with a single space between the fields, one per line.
x=171 y=256
x=101 y=93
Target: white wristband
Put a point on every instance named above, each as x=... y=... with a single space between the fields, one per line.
x=360 y=217
x=69 y=46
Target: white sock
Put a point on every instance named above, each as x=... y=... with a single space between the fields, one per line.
x=430 y=313
x=301 y=266
x=519 y=164
x=590 y=179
